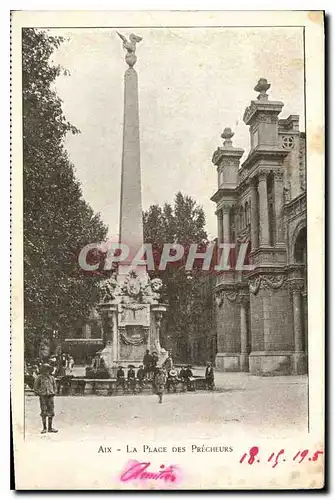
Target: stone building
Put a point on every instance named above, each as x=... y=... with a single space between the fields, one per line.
x=261 y=314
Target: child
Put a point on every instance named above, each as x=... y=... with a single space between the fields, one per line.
x=45 y=388
x=160 y=382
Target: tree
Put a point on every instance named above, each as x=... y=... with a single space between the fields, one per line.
x=57 y=221
x=183 y=224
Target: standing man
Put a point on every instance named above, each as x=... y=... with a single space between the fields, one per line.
x=168 y=363
x=147 y=361
x=45 y=388
x=209 y=376
x=160 y=381
x=120 y=378
x=131 y=379
x=140 y=377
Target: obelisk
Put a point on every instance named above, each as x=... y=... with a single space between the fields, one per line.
x=131 y=224
x=130 y=302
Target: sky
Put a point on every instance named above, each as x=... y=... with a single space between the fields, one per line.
x=193 y=82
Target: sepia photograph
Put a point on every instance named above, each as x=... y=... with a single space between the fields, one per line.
x=164 y=287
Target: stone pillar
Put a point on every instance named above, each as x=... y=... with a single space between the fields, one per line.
x=219 y=223
x=305 y=318
x=263 y=210
x=226 y=223
x=298 y=341
x=220 y=234
x=299 y=354
x=278 y=194
x=244 y=357
x=254 y=216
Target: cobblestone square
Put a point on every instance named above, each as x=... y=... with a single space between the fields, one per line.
x=241 y=403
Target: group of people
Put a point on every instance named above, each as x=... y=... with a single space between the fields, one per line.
x=40 y=376
x=61 y=365
x=160 y=377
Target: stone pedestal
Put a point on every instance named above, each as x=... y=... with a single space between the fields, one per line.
x=132 y=318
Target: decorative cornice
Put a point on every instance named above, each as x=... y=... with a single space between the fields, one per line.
x=235 y=293
x=222 y=192
x=232 y=154
x=264 y=152
x=296 y=284
x=269 y=117
x=272 y=108
x=266 y=282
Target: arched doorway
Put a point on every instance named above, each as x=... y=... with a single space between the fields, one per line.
x=300 y=247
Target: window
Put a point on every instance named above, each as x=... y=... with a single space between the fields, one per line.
x=288 y=142
x=246 y=213
x=241 y=218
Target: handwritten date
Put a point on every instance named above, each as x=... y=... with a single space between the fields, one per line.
x=275 y=458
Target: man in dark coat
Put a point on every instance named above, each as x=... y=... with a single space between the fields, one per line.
x=120 y=377
x=147 y=362
x=140 y=376
x=209 y=376
x=131 y=379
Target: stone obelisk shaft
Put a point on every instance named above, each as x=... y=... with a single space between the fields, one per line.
x=131 y=224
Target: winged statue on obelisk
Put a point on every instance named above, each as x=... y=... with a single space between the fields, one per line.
x=130 y=46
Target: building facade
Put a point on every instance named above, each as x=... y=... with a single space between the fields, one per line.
x=261 y=314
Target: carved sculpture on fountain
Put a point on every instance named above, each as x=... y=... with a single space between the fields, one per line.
x=135 y=289
x=109 y=290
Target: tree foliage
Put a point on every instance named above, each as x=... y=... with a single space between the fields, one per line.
x=182 y=223
x=57 y=221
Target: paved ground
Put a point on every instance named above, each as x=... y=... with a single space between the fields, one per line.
x=243 y=403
